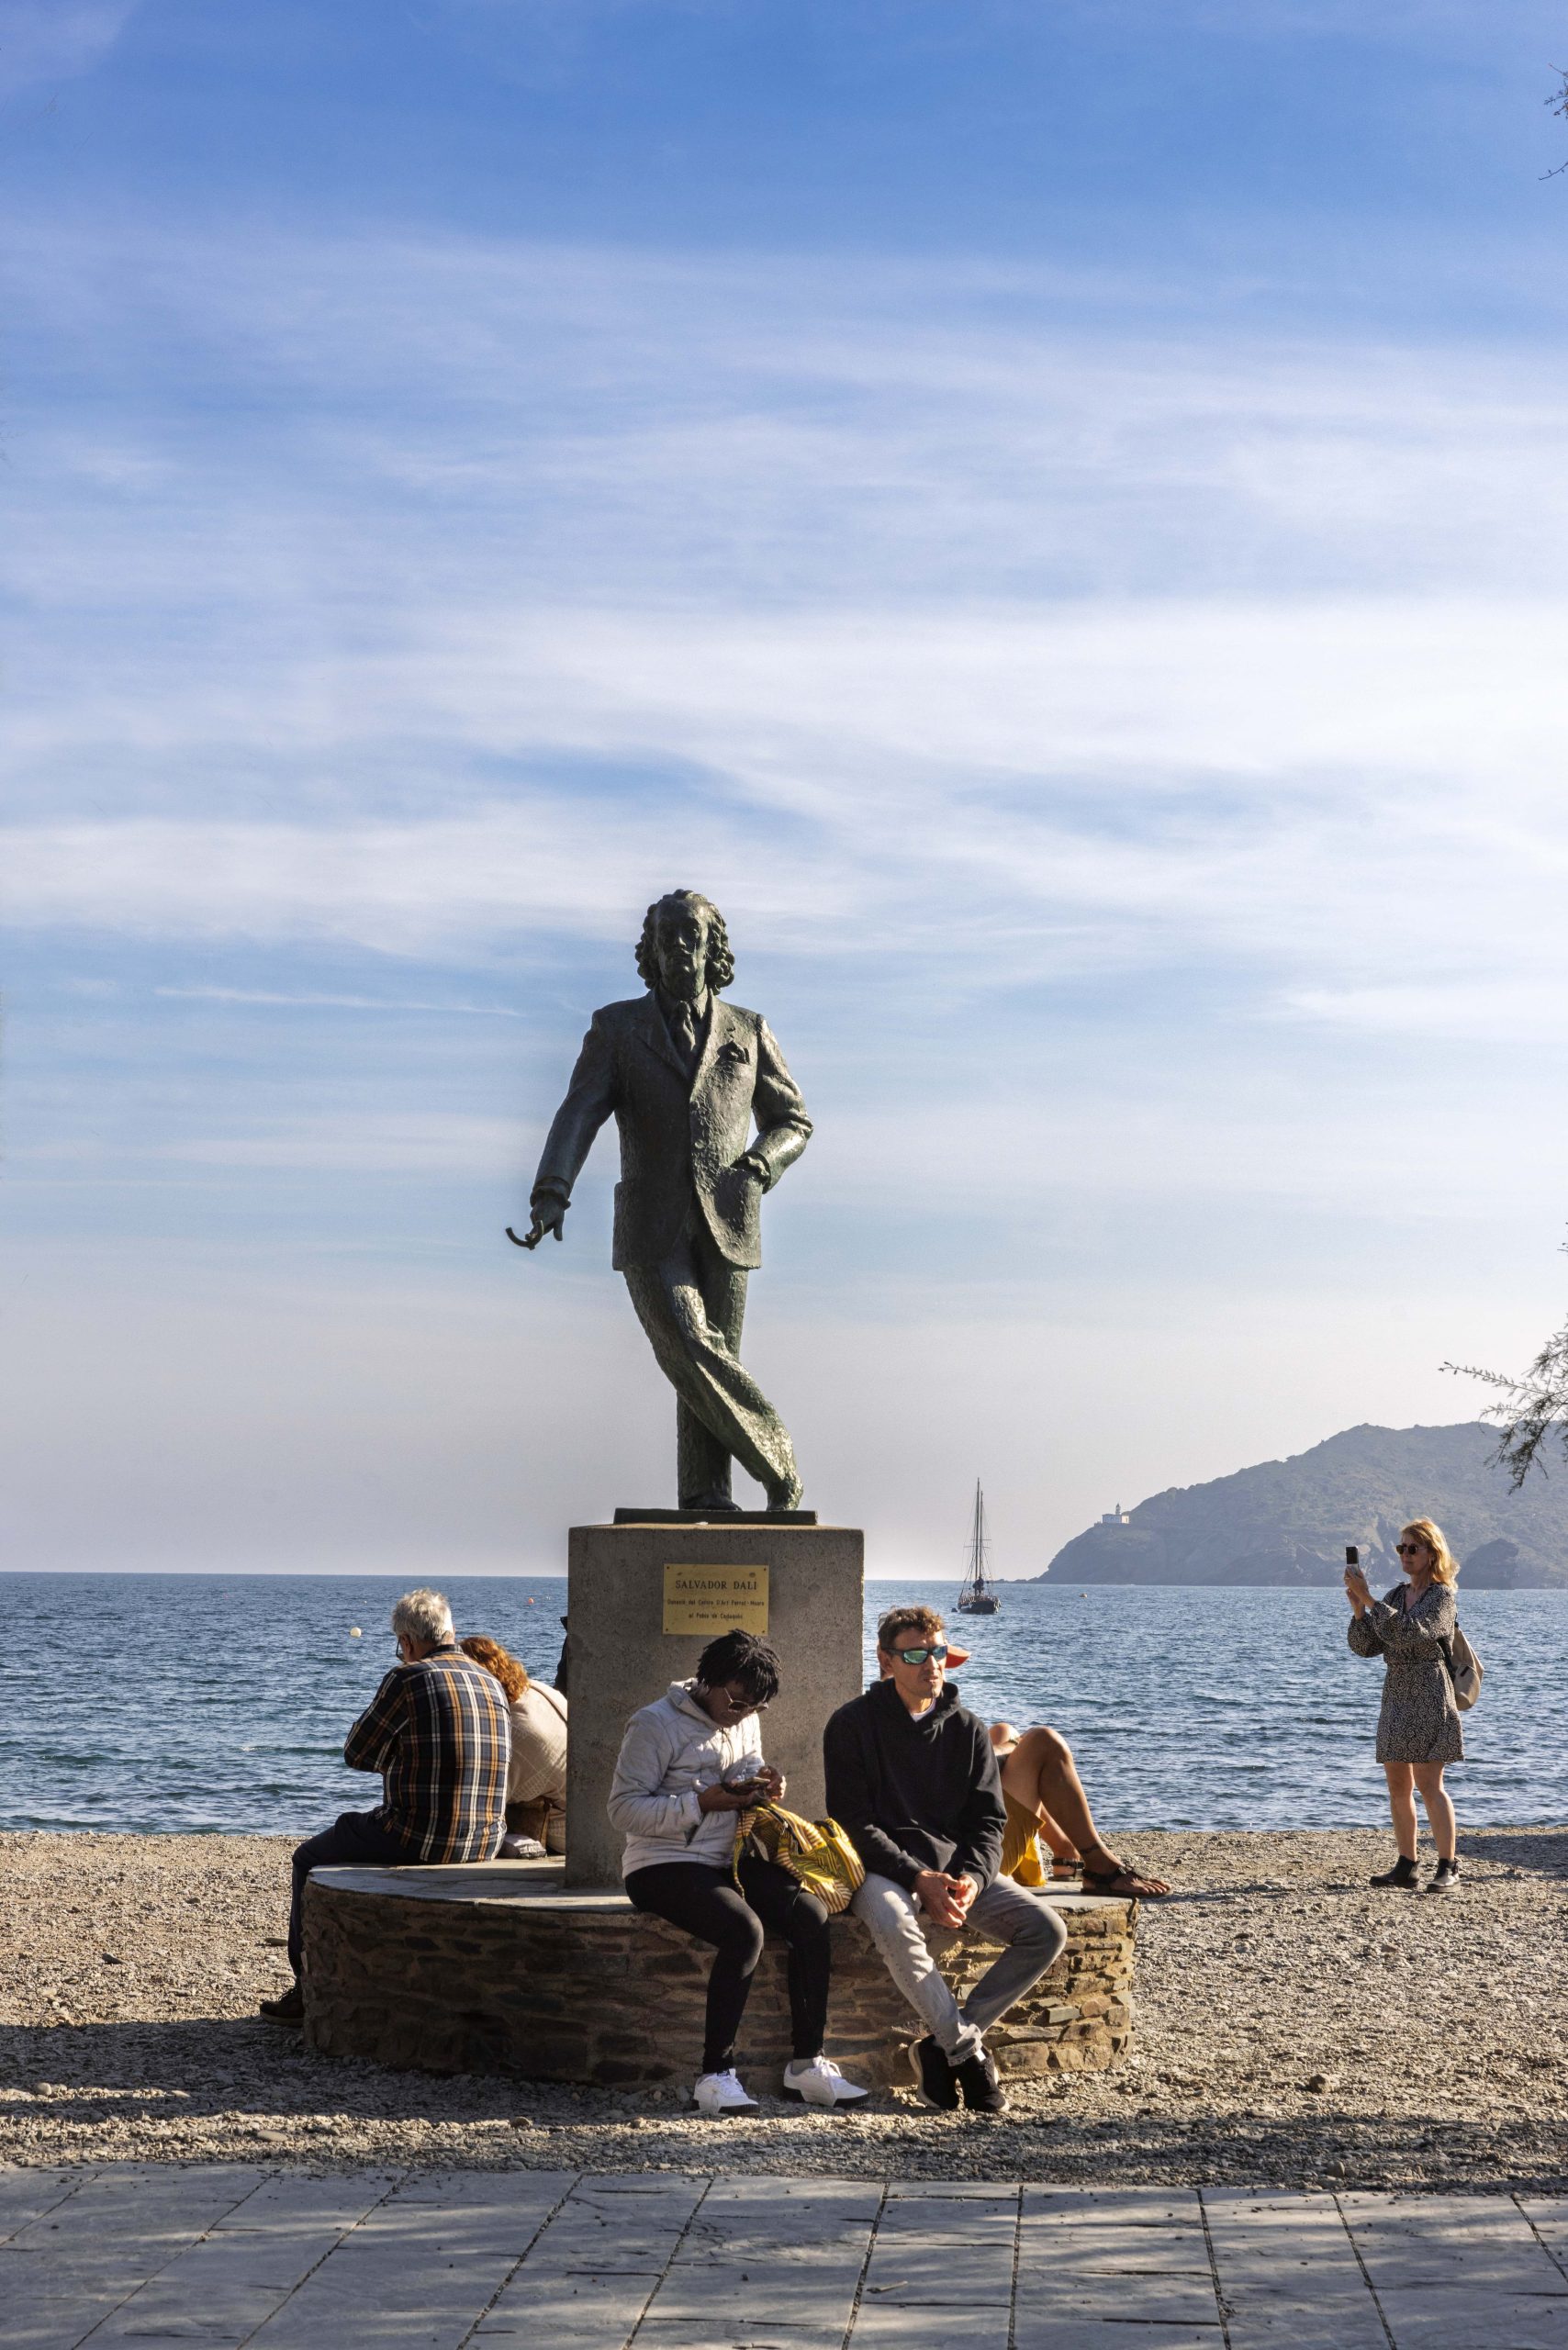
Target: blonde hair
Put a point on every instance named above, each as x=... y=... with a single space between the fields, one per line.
x=1445 y=1566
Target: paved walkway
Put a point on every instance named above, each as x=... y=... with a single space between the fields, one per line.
x=223 y=2256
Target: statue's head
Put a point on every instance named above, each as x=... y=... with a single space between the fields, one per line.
x=685 y=947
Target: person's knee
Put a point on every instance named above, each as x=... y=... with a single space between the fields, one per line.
x=741 y=1938
x=1042 y=1931
x=807 y=1923
x=887 y=1912
x=1043 y=1745
x=308 y=1856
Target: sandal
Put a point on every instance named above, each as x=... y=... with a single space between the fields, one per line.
x=1125 y=1882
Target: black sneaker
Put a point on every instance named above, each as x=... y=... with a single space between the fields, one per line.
x=1445 y=1877
x=935 y=2083
x=287 y=2008
x=982 y=2092
x=1400 y=1878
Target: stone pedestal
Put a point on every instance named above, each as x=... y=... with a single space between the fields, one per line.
x=620 y=1601
x=499 y=1967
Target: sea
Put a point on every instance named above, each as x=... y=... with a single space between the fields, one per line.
x=218 y=1704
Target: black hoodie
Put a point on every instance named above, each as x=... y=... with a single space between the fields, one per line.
x=915 y=1791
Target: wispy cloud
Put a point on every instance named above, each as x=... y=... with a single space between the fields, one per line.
x=53 y=40
x=270 y=998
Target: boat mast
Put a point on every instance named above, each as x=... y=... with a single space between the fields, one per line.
x=977 y=1546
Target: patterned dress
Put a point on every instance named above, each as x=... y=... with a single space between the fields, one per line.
x=1419 y=1722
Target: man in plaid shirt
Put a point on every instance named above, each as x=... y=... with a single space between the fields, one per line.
x=439 y=1732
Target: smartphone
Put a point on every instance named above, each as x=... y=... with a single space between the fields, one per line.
x=1352 y=1556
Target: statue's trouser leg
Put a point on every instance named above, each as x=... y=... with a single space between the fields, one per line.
x=703 y=1460
x=695 y=1353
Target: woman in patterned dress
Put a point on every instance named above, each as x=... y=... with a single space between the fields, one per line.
x=1418 y=1729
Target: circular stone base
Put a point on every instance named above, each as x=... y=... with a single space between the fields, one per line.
x=496 y=1967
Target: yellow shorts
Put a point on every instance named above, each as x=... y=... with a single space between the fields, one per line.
x=1021 y=1857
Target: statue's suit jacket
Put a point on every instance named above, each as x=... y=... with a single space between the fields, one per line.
x=679 y=1136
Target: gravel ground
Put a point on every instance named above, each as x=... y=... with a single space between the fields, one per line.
x=1290 y=2025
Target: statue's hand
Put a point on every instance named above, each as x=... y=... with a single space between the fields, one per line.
x=548 y=1215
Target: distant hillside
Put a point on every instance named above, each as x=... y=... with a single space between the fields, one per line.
x=1288 y=1521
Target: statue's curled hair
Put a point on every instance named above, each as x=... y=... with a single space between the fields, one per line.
x=720 y=961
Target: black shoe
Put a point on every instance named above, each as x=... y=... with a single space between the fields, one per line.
x=289 y=2009
x=1400 y=1878
x=982 y=2092
x=935 y=2083
x=1445 y=1877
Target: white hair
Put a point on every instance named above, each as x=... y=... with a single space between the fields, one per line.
x=422 y=1615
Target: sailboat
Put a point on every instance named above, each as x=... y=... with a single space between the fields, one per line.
x=980 y=1595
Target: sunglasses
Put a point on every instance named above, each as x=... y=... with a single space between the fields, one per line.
x=939 y=1654
x=1409 y=1550
x=739 y=1703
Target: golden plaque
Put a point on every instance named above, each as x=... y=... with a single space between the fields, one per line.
x=715 y=1599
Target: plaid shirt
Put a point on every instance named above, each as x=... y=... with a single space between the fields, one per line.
x=439 y=1734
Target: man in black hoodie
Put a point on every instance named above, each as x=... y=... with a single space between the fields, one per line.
x=912 y=1778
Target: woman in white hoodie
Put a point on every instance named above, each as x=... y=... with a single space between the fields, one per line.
x=680 y=1778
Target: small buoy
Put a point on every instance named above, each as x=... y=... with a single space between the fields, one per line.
x=355 y=1632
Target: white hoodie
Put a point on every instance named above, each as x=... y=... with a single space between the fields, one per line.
x=671 y=1750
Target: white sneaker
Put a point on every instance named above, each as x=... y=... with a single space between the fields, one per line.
x=719 y=2095
x=817 y=2081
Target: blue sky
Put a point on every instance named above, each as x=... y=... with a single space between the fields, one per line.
x=1053 y=515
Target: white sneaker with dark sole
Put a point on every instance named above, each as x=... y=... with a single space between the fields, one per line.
x=817 y=2081
x=718 y=2096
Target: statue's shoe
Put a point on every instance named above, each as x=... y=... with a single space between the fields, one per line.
x=715 y=1505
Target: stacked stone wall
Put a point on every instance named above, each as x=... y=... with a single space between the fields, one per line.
x=572 y=1992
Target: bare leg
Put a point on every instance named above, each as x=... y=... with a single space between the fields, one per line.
x=1056 y=1840
x=1402 y=1803
x=1041 y=1774
x=1439 y=1803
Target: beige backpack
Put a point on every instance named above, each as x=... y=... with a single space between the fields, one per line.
x=1464 y=1669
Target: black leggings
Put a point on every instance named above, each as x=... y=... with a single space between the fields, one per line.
x=708 y=1903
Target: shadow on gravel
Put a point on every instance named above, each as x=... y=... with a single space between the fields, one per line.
x=213 y=2065
x=1542 y=1852
x=251 y=2082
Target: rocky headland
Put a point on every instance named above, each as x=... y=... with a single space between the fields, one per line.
x=1288 y=1521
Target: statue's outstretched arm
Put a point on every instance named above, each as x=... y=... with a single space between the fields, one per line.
x=591 y=1098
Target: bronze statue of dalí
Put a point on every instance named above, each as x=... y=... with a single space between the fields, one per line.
x=686 y=1077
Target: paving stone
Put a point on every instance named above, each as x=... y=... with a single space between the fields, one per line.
x=1114 y=2207
x=1289 y=2278
x=557 y=2311
x=1550 y=2219
x=26 y=2194
x=1438 y=2318
x=1473 y=2243
x=606 y=2227
x=1044 y=2329
x=941 y=2270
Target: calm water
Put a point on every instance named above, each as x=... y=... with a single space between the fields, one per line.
x=199 y=1702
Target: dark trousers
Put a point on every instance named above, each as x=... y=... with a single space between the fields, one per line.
x=708 y=1903
x=356 y=1839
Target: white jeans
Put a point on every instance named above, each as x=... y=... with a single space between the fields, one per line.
x=1031 y=1930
